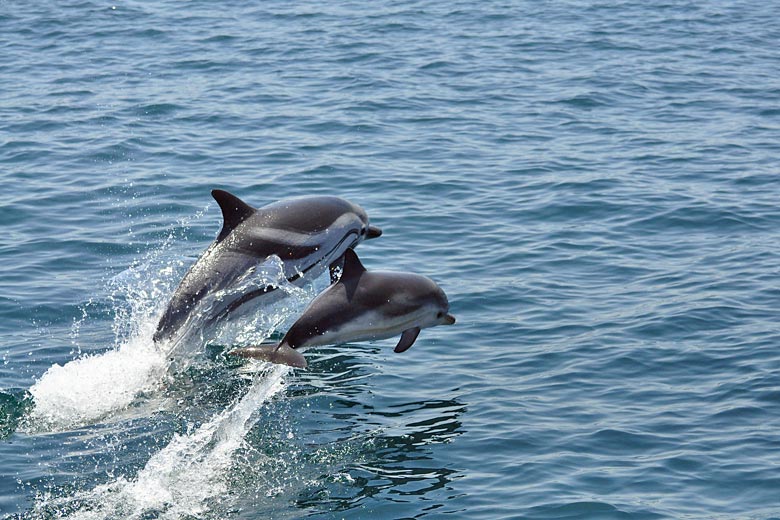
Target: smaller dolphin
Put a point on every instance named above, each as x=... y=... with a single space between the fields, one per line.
x=362 y=305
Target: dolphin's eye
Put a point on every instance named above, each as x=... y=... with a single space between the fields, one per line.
x=440 y=315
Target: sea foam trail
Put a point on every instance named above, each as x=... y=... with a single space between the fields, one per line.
x=183 y=478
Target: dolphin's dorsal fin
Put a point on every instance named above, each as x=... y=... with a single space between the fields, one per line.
x=352 y=266
x=351 y=273
x=234 y=211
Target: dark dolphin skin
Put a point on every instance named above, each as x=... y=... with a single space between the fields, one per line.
x=309 y=234
x=362 y=305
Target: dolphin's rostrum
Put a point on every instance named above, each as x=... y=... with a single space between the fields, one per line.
x=362 y=305
x=308 y=234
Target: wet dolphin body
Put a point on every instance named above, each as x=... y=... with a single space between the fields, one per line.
x=309 y=234
x=362 y=305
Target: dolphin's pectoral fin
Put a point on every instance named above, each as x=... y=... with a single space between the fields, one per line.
x=336 y=268
x=279 y=354
x=407 y=339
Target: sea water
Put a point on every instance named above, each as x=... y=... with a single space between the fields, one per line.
x=593 y=184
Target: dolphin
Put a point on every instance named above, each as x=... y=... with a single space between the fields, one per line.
x=308 y=234
x=362 y=305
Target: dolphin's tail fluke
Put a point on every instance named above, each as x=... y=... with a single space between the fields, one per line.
x=279 y=354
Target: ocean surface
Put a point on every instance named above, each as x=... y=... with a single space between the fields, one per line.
x=594 y=184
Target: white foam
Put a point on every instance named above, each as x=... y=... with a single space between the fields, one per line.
x=90 y=388
x=93 y=386
x=184 y=477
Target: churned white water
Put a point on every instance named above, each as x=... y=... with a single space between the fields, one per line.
x=186 y=475
x=90 y=388
x=93 y=386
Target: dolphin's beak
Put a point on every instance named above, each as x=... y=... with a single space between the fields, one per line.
x=373 y=232
x=449 y=319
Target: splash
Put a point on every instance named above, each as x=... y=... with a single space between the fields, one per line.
x=185 y=477
x=94 y=386
x=189 y=476
x=91 y=388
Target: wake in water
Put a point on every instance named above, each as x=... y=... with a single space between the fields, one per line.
x=186 y=475
x=190 y=472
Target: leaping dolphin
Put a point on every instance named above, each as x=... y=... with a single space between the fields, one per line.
x=362 y=305
x=309 y=234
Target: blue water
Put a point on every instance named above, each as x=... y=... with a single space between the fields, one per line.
x=594 y=185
